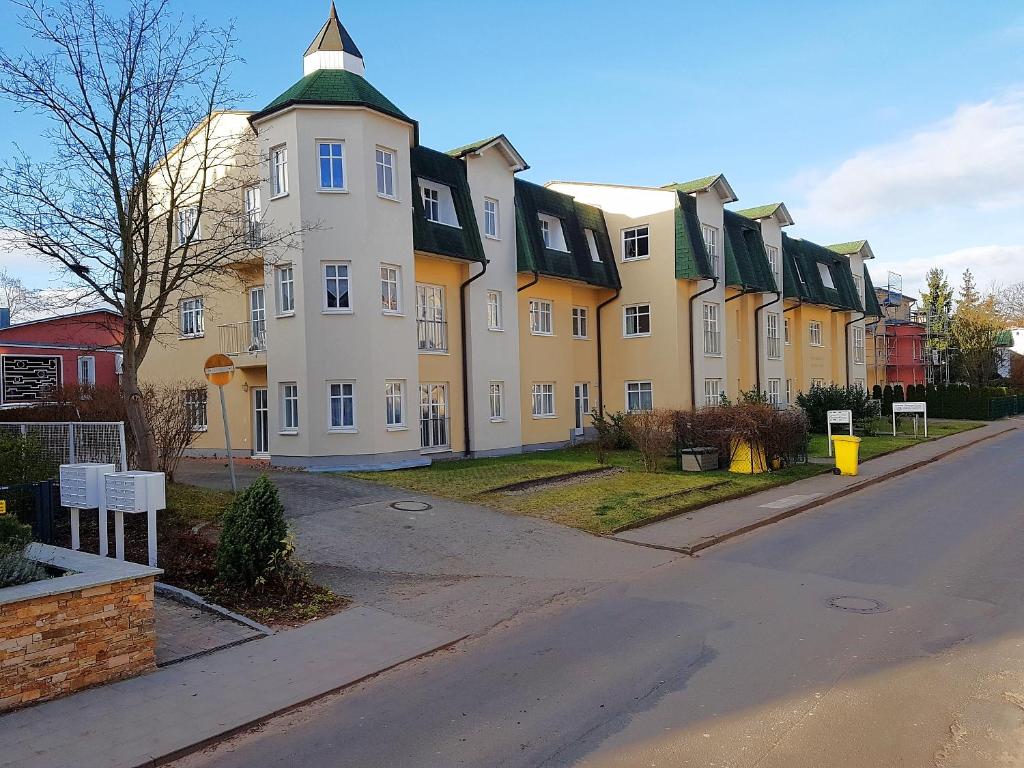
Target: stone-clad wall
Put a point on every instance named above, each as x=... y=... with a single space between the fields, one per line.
x=58 y=643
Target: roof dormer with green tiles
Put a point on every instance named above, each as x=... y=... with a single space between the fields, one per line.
x=443 y=220
x=746 y=261
x=818 y=275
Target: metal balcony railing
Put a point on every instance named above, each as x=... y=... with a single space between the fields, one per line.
x=435 y=432
x=432 y=335
x=246 y=338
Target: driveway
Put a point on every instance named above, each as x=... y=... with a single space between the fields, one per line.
x=462 y=567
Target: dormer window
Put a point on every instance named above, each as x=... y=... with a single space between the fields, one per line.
x=595 y=255
x=438 y=205
x=551 y=232
x=826 y=276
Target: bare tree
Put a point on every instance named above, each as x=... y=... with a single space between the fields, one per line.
x=16 y=296
x=144 y=195
x=1010 y=302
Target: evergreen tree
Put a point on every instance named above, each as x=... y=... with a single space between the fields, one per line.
x=937 y=302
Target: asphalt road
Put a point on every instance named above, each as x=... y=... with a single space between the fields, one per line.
x=735 y=658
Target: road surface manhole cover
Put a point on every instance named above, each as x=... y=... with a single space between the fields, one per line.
x=411 y=506
x=858 y=604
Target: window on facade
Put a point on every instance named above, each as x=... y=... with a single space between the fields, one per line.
x=332 y=164
x=494 y=313
x=595 y=255
x=579 y=322
x=279 y=171
x=789 y=390
x=774 y=350
x=712 y=330
x=773 y=259
x=496 y=399
x=826 y=275
x=188 y=220
x=289 y=407
x=431 y=204
x=814 y=333
x=858 y=345
x=394 y=403
x=385 y=160
x=551 y=232
x=253 y=217
x=431 y=323
x=341 y=405
x=712 y=392
x=857 y=281
x=785 y=330
x=390 y=289
x=543 y=396
x=711 y=244
x=774 y=391
x=336 y=287
x=195 y=407
x=540 y=317
x=636 y=244
x=490 y=217
x=637 y=320
x=438 y=203
x=190 y=318
x=87 y=371
x=639 y=396
x=545 y=232
x=284 y=286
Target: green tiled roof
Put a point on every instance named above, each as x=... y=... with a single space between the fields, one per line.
x=334 y=86
x=746 y=262
x=848 y=249
x=1004 y=338
x=760 y=211
x=692 y=260
x=475 y=146
x=871 y=306
x=462 y=242
x=803 y=280
x=697 y=185
x=576 y=217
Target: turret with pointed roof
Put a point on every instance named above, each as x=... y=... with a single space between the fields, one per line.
x=333 y=48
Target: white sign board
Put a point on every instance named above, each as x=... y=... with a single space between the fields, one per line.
x=914 y=408
x=837 y=417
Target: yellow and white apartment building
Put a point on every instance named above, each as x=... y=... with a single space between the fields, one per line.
x=436 y=305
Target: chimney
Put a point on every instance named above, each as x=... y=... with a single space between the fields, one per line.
x=5 y=317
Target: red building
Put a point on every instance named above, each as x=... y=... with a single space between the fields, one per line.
x=38 y=356
x=900 y=340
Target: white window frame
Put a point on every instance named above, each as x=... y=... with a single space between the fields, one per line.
x=817 y=382
x=496 y=400
x=341 y=397
x=539 y=310
x=197 y=407
x=553 y=233
x=580 y=323
x=712 y=392
x=187 y=218
x=858 y=344
x=639 y=388
x=90 y=365
x=324 y=307
x=774 y=391
x=635 y=236
x=785 y=331
x=492 y=221
x=773 y=259
x=789 y=391
x=390 y=289
x=814 y=333
x=542 y=394
x=438 y=197
x=636 y=314
x=331 y=187
x=712 y=326
x=279 y=171
x=394 y=392
x=495 y=313
x=284 y=289
x=384 y=165
x=253 y=216
x=591 y=237
x=194 y=307
x=288 y=397
x=431 y=204
x=710 y=235
x=825 y=273
x=545 y=232
x=773 y=348
x=432 y=313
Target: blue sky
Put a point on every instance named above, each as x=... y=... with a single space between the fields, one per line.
x=900 y=122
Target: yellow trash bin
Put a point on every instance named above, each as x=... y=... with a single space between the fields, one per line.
x=847 y=447
x=747 y=459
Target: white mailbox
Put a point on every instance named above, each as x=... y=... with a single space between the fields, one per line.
x=134 y=492
x=81 y=487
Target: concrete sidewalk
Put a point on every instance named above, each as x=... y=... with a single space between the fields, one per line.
x=154 y=717
x=705 y=527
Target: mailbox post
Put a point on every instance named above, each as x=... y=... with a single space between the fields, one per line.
x=915 y=408
x=838 y=417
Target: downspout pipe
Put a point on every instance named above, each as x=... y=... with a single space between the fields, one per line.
x=693 y=367
x=757 y=338
x=743 y=292
x=600 y=371
x=465 y=356
x=846 y=334
x=536 y=278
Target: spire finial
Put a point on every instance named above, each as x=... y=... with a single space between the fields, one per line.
x=333 y=48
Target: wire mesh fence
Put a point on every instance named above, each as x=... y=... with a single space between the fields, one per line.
x=74 y=442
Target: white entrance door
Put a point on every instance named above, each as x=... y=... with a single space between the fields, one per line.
x=260 y=422
x=582 y=395
x=257 y=320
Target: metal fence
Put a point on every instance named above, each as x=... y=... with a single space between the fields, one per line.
x=32 y=504
x=73 y=442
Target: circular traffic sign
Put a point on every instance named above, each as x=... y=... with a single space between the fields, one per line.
x=218 y=369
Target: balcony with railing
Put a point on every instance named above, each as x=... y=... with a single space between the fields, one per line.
x=246 y=341
x=432 y=335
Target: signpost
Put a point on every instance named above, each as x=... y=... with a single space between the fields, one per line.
x=914 y=408
x=219 y=371
x=838 y=417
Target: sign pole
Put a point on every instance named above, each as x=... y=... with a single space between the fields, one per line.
x=227 y=440
x=219 y=371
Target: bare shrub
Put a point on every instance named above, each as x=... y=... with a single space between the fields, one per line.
x=173 y=421
x=652 y=434
x=781 y=434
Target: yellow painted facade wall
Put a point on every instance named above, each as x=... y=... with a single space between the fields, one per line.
x=805 y=362
x=741 y=342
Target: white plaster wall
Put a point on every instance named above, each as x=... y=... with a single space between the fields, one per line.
x=771 y=233
x=857 y=370
x=710 y=211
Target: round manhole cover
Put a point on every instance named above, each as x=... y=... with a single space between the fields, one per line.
x=858 y=604
x=411 y=506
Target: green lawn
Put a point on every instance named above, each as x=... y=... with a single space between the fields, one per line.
x=883 y=442
x=600 y=505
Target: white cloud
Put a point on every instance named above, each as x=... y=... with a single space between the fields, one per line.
x=973 y=159
x=990 y=264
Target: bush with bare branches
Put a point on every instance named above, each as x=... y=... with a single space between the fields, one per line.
x=782 y=434
x=652 y=434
